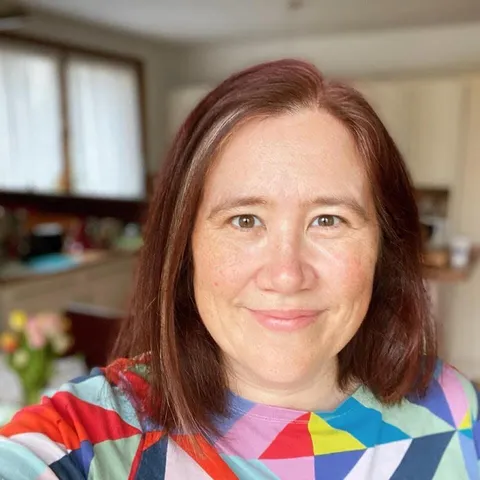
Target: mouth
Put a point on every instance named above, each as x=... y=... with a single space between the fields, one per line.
x=285 y=320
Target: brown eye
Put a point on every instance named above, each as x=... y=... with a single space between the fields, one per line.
x=245 y=221
x=327 y=221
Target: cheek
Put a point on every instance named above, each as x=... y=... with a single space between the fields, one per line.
x=220 y=266
x=350 y=271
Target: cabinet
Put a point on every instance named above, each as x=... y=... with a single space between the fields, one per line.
x=437 y=116
x=391 y=101
x=425 y=117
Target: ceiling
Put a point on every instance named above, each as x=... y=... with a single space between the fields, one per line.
x=213 y=20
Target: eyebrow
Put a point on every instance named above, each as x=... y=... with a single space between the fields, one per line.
x=234 y=203
x=321 y=201
x=342 y=201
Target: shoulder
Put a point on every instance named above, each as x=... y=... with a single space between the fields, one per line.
x=83 y=417
x=450 y=389
x=113 y=391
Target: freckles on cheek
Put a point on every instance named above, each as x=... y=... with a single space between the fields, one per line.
x=352 y=269
x=222 y=265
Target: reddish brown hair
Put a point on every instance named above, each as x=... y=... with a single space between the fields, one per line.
x=393 y=353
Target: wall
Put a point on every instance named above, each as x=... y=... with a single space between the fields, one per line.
x=156 y=57
x=352 y=54
x=460 y=303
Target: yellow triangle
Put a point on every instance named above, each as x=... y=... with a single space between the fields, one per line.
x=327 y=439
x=466 y=422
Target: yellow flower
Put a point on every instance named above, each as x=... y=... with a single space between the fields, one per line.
x=8 y=342
x=17 y=320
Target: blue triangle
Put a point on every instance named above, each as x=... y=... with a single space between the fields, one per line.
x=336 y=465
x=153 y=462
x=76 y=464
x=435 y=402
x=469 y=454
x=83 y=456
x=423 y=456
x=476 y=425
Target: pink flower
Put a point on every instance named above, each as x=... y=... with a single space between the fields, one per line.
x=35 y=336
x=50 y=323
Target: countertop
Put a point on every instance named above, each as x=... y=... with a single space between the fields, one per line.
x=14 y=271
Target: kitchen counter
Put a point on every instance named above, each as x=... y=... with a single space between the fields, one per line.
x=99 y=279
x=15 y=271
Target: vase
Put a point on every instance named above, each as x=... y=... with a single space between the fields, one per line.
x=31 y=395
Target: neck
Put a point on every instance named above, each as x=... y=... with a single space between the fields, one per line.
x=319 y=392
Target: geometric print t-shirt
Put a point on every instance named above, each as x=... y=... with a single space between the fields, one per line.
x=96 y=428
x=431 y=438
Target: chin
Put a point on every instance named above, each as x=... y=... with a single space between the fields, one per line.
x=283 y=374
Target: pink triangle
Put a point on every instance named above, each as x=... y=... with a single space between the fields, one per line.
x=292 y=467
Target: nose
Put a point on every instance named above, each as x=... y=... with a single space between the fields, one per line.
x=286 y=269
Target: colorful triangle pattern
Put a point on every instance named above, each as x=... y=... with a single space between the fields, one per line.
x=79 y=432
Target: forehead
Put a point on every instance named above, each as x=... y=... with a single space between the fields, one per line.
x=309 y=151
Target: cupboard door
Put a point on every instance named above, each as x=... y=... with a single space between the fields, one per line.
x=391 y=100
x=437 y=107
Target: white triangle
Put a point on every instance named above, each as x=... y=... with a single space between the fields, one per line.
x=180 y=464
x=380 y=462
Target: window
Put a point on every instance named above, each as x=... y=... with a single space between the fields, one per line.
x=30 y=126
x=105 y=136
x=70 y=123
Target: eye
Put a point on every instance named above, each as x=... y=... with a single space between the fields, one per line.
x=245 y=222
x=327 y=221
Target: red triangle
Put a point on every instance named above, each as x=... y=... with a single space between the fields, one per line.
x=293 y=441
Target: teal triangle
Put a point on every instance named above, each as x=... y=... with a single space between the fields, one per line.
x=249 y=469
x=336 y=465
x=467 y=432
x=367 y=425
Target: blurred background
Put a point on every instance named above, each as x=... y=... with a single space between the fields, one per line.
x=92 y=92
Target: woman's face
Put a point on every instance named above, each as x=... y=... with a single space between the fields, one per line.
x=284 y=246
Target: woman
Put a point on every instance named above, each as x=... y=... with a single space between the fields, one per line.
x=280 y=326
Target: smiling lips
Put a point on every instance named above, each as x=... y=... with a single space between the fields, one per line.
x=285 y=320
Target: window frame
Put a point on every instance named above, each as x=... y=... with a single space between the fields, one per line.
x=64 y=51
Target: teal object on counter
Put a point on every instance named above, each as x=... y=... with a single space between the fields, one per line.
x=51 y=263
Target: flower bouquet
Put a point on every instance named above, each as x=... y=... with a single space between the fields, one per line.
x=31 y=346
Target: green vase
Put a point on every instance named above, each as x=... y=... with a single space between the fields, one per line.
x=34 y=375
x=31 y=395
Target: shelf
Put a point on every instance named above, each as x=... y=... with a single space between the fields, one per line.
x=449 y=274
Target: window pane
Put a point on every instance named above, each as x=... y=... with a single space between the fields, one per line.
x=105 y=133
x=30 y=121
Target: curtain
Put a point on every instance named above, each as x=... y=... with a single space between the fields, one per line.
x=30 y=121
x=105 y=132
